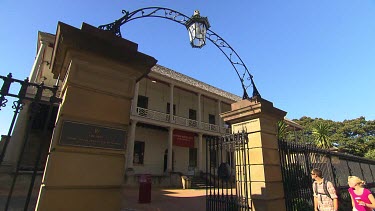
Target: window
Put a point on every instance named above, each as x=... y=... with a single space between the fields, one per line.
x=169 y=110
x=192 y=114
x=142 y=102
x=193 y=157
x=139 y=150
x=211 y=119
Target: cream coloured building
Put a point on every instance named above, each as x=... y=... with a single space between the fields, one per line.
x=171 y=115
x=196 y=107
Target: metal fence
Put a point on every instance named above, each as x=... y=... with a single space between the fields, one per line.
x=298 y=159
x=228 y=181
x=35 y=107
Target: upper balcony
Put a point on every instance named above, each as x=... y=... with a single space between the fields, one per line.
x=177 y=120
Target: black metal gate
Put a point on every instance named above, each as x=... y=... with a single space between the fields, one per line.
x=228 y=172
x=37 y=104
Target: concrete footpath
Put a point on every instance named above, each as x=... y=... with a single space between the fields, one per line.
x=161 y=199
x=165 y=200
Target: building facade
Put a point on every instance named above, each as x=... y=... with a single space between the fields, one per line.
x=171 y=116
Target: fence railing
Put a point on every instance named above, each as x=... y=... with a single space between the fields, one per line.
x=298 y=159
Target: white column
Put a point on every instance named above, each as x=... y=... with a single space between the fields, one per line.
x=200 y=151
x=170 y=150
x=135 y=99
x=38 y=60
x=199 y=111
x=17 y=138
x=171 y=97
x=220 y=122
x=130 y=146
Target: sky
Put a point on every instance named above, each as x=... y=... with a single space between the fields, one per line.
x=311 y=58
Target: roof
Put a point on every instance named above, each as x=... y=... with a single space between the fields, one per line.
x=193 y=82
x=293 y=124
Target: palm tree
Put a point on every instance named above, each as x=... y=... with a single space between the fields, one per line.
x=282 y=131
x=321 y=135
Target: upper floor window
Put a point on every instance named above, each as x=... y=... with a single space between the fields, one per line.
x=192 y=114
x=211 y=119
x=142 y=101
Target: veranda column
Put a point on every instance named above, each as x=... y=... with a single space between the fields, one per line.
x=200 y=151
x=130 y=148
x=86 y=163
x=17 y=139
x=38 y=61
x=259 y=118
x=171 y=97
x=14 y=147
x=199 y=111
x=135 y=99
x=220 y=123
x=170 y=150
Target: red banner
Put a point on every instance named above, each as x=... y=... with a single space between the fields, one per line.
x=183 y=138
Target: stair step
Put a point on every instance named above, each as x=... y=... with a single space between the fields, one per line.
x=199 y=183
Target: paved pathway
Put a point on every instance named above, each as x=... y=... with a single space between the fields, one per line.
x=165 y=200
x=161 y=199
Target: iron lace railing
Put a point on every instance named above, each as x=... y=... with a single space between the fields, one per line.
x=164 y=117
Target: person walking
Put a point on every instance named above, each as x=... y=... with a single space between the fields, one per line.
x=325 y=197
x=362 y=198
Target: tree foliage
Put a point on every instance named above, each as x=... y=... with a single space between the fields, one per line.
x=282 y=130
x=370 y=154
x=321 y=133
x=355 y=136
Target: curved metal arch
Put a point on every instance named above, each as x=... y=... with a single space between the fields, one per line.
x=239 y=66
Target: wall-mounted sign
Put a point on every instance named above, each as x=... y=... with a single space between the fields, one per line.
x=86 y=135
x=183 y=138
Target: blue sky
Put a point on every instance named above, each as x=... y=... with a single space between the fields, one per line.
x=309 y=57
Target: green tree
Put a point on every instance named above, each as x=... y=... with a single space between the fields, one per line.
x=370 y=154
x=282 y=130
x=321 y=135
x=354 y=136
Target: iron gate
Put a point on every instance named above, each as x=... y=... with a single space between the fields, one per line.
x=228 y=172
x=37 y=104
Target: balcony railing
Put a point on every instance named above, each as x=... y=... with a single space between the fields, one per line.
x=185 y=122
x=163 y=117
x=150 y=114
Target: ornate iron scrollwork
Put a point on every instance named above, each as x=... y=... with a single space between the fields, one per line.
x=239 y=66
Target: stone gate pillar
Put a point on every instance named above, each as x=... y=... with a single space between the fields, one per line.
x=85 y=166
x=258 y=117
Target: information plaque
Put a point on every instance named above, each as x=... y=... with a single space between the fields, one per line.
x=86 y=135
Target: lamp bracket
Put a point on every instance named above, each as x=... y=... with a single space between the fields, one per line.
x=239 y=66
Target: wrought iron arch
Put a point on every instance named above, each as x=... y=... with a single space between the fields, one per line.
x=239 y=66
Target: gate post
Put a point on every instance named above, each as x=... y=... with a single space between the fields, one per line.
x=86 y=161
x=259 y=118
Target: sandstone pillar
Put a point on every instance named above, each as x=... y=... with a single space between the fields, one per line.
x=259 y=118
x=85 y=166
